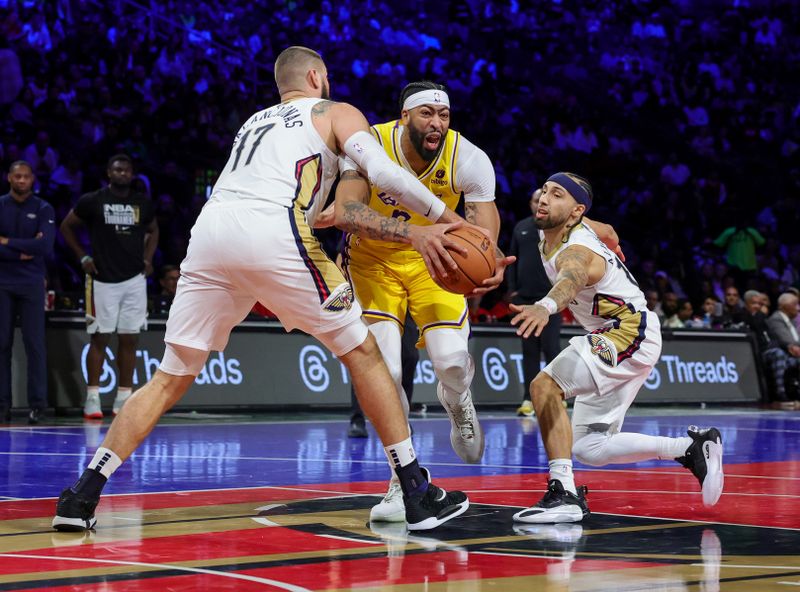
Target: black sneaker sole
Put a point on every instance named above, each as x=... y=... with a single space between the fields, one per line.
x=447 y=514
x=62 y=524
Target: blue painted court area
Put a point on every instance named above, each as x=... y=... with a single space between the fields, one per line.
x=186 y=454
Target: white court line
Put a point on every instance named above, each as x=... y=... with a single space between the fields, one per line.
x=40 y=431
x=596 y=490
x=789 y=583
x=518 y=555
x=739 y=566
x=235 y=576
x=519 y=468
x=349 y=540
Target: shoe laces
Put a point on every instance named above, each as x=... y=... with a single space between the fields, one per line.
x=395 y=491
x=464 y=417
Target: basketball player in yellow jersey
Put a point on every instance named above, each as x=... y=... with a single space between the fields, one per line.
x=391 y=280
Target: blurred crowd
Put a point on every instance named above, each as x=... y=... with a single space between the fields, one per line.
x=683 y=114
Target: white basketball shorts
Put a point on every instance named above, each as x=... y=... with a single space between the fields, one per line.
x=603 y=391
x=248 y=251
x=116 y=308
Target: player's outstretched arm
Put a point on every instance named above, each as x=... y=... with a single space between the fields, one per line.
x=576 y=266
x=352 y=214
x=351 y=131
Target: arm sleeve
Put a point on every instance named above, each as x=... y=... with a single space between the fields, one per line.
x=759 y=240
x=722 y=239
x=8 y=254
x=38 y=246
x=367 y=154
x=474 y=173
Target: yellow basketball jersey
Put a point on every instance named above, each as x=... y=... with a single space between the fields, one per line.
x=439 y=177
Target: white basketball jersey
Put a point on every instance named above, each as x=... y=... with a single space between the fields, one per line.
x=611 y=300
x=279 y=157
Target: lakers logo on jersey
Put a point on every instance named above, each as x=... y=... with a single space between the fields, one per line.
x=341 y=299
x=603 y=348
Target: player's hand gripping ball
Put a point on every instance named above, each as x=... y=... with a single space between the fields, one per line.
x=476 y=266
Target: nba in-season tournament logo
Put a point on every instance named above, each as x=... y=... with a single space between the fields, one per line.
x=121 y=214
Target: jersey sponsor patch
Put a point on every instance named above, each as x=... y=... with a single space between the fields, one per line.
x=341 y=299
x=604 y=349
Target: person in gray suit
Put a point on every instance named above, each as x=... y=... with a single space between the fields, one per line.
x=781 y=325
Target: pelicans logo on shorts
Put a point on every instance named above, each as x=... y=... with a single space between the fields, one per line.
x=604 y=349
x=341 y=299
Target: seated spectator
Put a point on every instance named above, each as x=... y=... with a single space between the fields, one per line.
x=669 y=310
x=781 y=324
x=777 y=362
x=733 y=308
x=712 y=313
x=168 y=280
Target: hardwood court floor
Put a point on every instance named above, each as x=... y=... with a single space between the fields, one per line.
x=259 y=503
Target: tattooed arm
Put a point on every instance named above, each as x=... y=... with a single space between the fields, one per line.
x=353 y=215
x=577 y=268
x=484 y=215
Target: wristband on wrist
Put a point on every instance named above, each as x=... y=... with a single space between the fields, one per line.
x=86 y=258
x=549 y=304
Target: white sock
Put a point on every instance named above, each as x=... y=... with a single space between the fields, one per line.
x=105 y=462
x=561 y=469
x=92 y=391
x=124 y=392
x=629 y=447
x=400 y=454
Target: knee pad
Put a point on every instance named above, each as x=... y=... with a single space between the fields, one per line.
x=590 y=449
x=180 y=360
x=452 y=364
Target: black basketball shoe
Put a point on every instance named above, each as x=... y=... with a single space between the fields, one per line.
x=557 y=505
x=74 y=512
x=435 y=507
x=704 y=459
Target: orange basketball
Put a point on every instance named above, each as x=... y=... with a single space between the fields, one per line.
x=478 y=265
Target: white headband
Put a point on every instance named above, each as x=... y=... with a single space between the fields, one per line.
x=427 y=97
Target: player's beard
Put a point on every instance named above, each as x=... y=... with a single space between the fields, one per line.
x=550 y=221
x=418 y=142
x=326 y=91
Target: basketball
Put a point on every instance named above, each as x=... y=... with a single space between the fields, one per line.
x=476 y=266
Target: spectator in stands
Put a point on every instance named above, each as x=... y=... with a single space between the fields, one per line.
x=776 y=361
x=733 y=309
x=712 y=313
x=740 y=244
x=781 y=324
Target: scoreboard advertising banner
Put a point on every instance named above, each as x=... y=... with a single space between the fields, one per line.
x=263 y=366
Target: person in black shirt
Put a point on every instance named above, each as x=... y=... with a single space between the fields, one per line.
x=27 y=230
x=123 y=235
x=528 y=283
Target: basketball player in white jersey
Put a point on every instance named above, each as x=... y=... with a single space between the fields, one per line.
x=252 y=242
x=603 y=370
